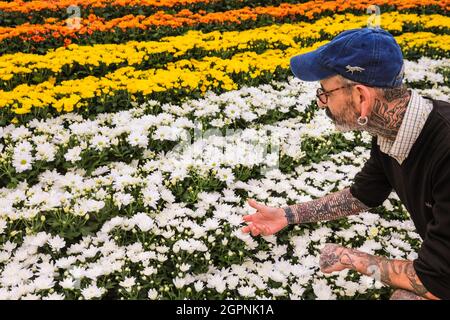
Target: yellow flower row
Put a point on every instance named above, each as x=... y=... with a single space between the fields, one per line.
x=204 y=74
x=136 y=52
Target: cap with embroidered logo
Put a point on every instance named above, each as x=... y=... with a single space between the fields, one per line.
x=368 y=55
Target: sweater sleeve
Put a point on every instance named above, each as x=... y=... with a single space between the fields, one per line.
x=370 y=185
x=433 y=263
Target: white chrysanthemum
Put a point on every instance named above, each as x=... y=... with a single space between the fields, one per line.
x=365 y=282
x=43 y=283
x=54 y=296
x=346 y=234
x=122 y=199
x=249 y=116
x=179 y=173
x=57 y=243
x=179 y=282
x=4 y=256
x=45 y=151
x=225 y=175
x=138 y=139
x=191 y=245
x=167 y=195
x=152 y=294
x=100 y=142
x=322 y=290
x=198 y=286
x=148 y=271
x=279 y=250
x=65 y=262
x=360 y=229
x=88 y=205
x=232 y=111
x=150 y=197
x=22 y=161
x=73 y=154
x=37 y=240
x=394 y=252
x=91 y=252
x=320 y=234
x=143 y=221
x=47 y=268
x=350 y=288
x=67 y=283
x=369 y=246
x=297 y=289
x=185 y=267
x=77 y=272
x=128 y=283
x=216 y=282
x=278 y=292
x=232 y=282
x=23 y=147
x=167 y=133
x=211 y=224
x=247 y=291
x=217 y=123
x=92 y=292
x=20 y=133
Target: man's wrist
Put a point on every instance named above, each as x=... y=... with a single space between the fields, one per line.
x=289 y=215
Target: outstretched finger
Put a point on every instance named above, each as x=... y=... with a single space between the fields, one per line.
x=248 y=217
x=252 y=203
x=245 y=229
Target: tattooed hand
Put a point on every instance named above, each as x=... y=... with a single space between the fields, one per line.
x=333 y=258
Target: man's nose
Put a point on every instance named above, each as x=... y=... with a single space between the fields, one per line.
x=320 y=104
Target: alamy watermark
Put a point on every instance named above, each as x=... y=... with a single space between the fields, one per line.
x=74 y=17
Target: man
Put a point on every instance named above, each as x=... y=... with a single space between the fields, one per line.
x=361 y=75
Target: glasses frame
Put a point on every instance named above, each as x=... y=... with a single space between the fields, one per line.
x=321 y=92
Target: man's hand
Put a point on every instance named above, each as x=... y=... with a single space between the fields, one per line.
x=395 y=273
x=265 y=221
x=330 y=258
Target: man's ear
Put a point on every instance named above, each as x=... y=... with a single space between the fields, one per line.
x=365 y=98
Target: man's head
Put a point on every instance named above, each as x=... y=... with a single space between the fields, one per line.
x=355 y=69
x=345 y=101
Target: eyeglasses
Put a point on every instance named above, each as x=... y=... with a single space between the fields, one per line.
x=323 y=95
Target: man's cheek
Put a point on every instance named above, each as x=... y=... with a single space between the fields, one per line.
x=329 y=114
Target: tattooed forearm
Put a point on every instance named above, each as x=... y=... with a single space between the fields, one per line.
x=395 y=273
x=387 y=116
x=330 y=207
x=401 y=294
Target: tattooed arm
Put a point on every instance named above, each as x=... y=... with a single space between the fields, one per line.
x=269 y=220
x=395 y=273
x=333 y=206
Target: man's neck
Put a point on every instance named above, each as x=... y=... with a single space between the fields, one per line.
x=387 y=115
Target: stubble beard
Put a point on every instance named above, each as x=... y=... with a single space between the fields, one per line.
x=346 y=121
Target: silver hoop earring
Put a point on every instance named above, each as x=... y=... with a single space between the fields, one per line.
x=362 y=121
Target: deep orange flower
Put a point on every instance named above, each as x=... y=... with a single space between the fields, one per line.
x=53 y=5
x=187 y=18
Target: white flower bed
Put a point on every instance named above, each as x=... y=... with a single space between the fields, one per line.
x=124 y=206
